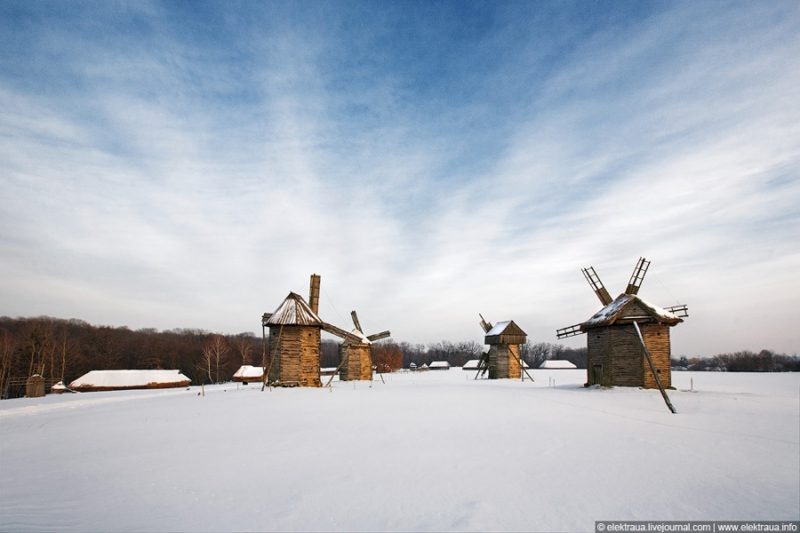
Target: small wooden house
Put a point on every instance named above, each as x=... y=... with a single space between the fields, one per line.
x=111 y=380
x=34 y=386
x=557 y=364
x=356 y=359
x=472 y=364
x=504 y=340
x=356 y=353
x=249 y=374
x=294 y=337
x=615 y=354
x=439 y=365
x=628 y=340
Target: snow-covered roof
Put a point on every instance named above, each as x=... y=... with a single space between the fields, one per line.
x=505 y=332
x=439 y=364
x=361 y=336
x=247 y=371
x=617 y=310
x=294 y=311
x=498 y=328
x=557 y=363
x=472 y=364
x=128 y=378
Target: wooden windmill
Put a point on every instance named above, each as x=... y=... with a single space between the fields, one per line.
x=356 y=356
x=628 y=339
x=294 y=340
x=503 y=359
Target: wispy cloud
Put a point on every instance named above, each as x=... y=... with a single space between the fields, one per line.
x=175 y=169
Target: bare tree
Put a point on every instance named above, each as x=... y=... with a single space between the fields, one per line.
x=215 y=353
x=7 y=346
x=244 y=346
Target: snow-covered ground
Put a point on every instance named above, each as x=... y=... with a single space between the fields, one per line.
x=426 y=451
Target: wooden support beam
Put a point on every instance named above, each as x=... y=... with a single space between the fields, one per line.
x=569 y=331
x=484 y=324
x=356 y=323
x=342 y=334
x=378 y=336
x=653 y=369
x=680 y=310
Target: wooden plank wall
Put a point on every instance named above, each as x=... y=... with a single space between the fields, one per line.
x=502 y=363
x=656 y=338
x=296 y=360
x=618 y=349
x=357 y=362
x=597 y=354
x=625 y=357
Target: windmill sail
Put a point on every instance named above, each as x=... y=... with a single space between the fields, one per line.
x=638 y=276
x=597 y=286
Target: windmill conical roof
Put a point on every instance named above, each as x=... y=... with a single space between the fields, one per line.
x=629 y=307
x=294 y=311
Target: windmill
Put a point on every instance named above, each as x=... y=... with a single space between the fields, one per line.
x=356 y=355
x=294 y=339
x=504 y=340
x=628 y=339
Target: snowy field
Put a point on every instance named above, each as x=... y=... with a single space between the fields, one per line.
x=426 y=451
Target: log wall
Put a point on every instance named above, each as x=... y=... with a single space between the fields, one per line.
x=502 y=361
x=656 y=338
x=294 y=354
x=615 y=356
x=357 y=362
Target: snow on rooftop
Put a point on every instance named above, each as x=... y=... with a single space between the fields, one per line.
x=439 y=364
x=557 y=363
x=128 y=378
x=472 y=364
x=498 y=328
x=247 y=371
x=294 y=311
x=361 y=336
x=610 y=312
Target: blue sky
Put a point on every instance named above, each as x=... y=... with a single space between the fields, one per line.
x=188 y=164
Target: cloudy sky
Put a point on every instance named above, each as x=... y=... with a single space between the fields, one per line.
x=188 y=164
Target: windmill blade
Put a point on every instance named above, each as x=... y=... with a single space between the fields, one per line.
x=484 y=324
x=596 y=285
x=569 y=331
x=680 y=310
x=342 y=334
x=356 y=323
x=638 y=276
x=379 y=336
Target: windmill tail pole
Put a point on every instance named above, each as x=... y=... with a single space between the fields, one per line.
x=328 y=384
x=520 y=364
x=653 y=369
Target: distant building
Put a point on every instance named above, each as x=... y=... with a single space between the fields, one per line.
x=249 y=374
x=439 y=365
x=106 y=380
x=557 y=364
x=472 y=364
x=412 y=367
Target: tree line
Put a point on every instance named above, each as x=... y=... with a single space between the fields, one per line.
x=743 y=361
x=63 y=350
